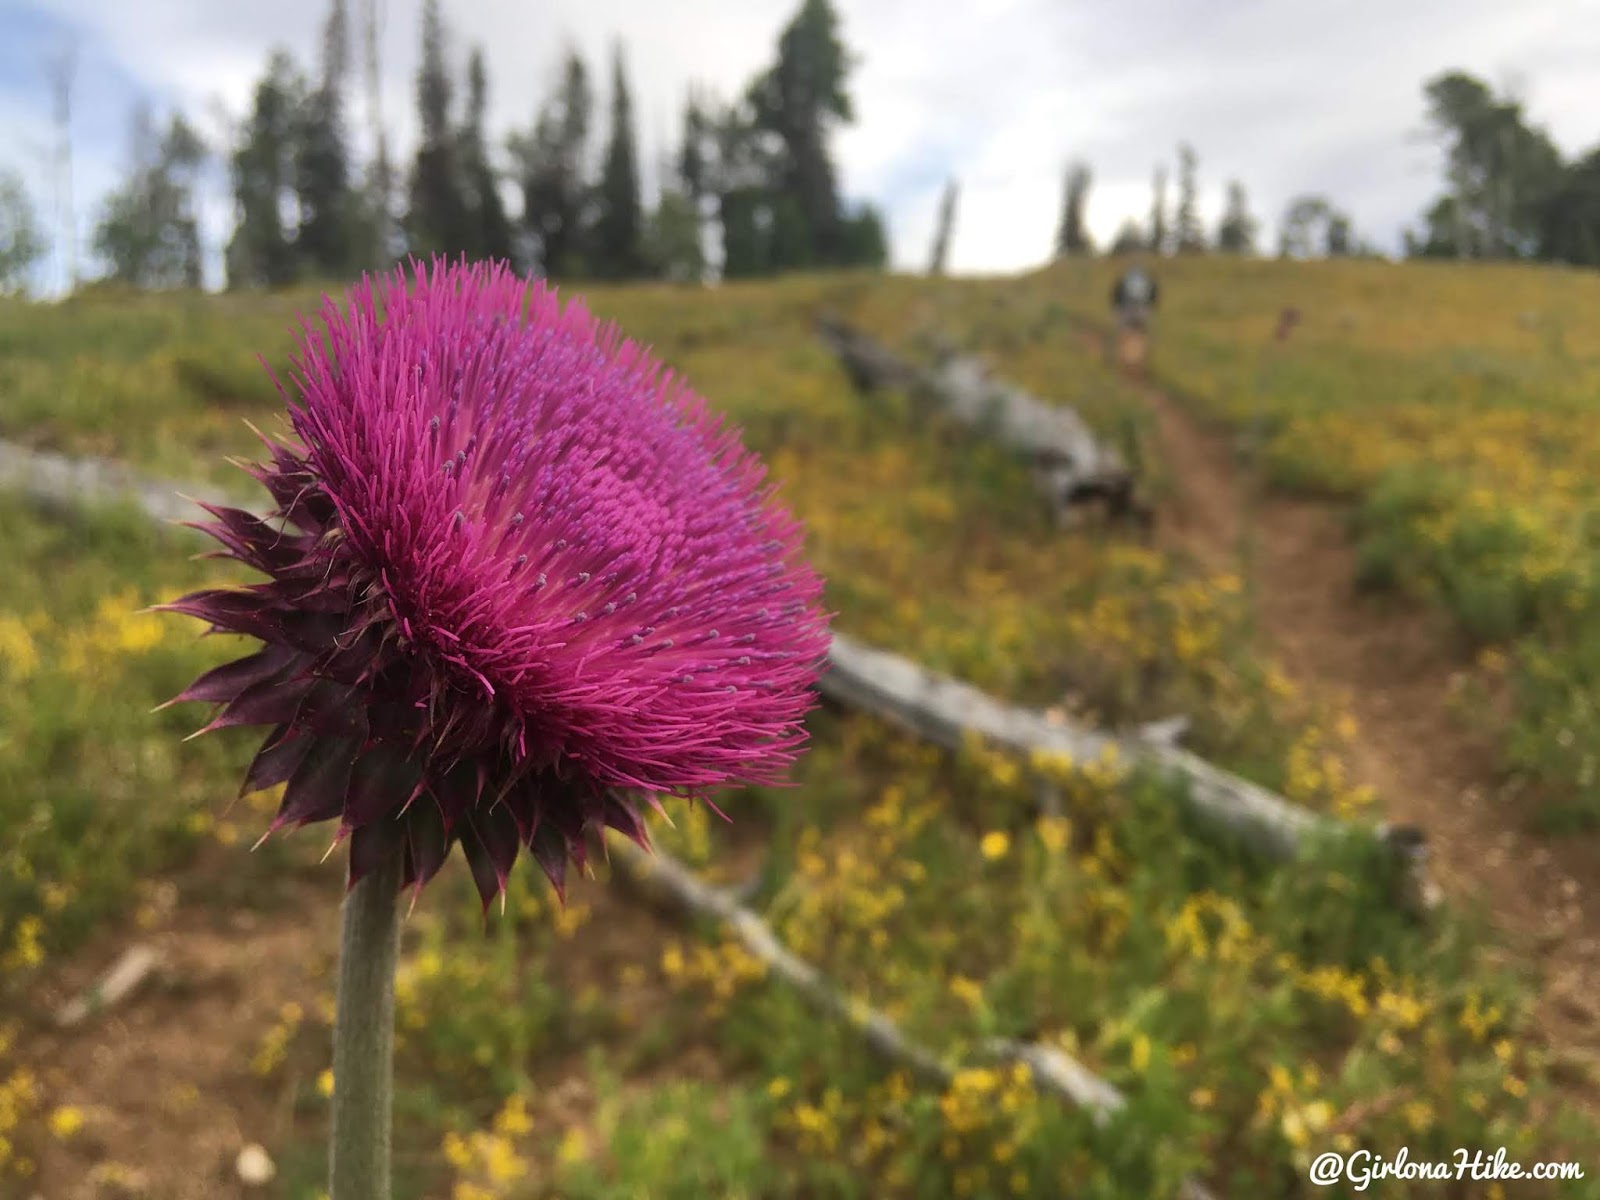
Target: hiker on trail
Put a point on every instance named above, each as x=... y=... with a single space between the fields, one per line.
x=1135 y=294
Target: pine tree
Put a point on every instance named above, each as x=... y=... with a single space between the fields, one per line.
x=1570 y=219
x=742 y=183
x=694 y=167
x=322 y=159
x=551 y=163
x=1130 y=238
x=21 y=241
x=617 y=251
x=863 y=241
x=1304 y=217
x=1237 y=232
x=1502 y=173
x=791 y=240
x=799 y=100
x=490 y=227
x=944 y=229
x=694 y=170
x=1338 y=239
x=149 y=234
x=1189 y=237
x=1072 y=234
x=1158 y=213
x=672 y=239
x=262 y=250
x=764 y=160
x=376 y=230
x=439 y=221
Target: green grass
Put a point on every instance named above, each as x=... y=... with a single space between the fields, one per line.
x=1250 y=1014
x=1455 y=407
x=96 y=793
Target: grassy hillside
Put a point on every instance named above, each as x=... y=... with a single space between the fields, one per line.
x=1253 y=1015
x=1456 y=407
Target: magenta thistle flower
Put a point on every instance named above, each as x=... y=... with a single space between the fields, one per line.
x=518 y=575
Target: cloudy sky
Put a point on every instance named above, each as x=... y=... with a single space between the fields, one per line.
x=1287 y=96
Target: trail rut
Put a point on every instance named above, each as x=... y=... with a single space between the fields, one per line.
x=1393 y=664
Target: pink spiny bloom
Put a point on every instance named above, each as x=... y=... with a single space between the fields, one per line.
x=518 y=574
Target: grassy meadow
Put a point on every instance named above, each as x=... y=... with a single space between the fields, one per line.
x=1253 y=1015
x=1455 y=408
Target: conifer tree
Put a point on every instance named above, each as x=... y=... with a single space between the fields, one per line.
x=1072 y=234
x=490 y=227
x=1158 y=213
x=1130 y=238
x=617 y=251
x=799 y=100
x=22 y=242
x=551 y=165
x=1237 y=232
x=322 y=160
x=262 y=250
x=439 y=220
x=1188 y=236
x=149 y=233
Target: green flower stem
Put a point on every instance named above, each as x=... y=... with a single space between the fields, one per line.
x=363 y=1038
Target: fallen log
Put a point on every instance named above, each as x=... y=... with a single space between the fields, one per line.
x=948 y=712
x=1073 y=467
x=667 y=883
x=59 y=482
x=131 y=969
x=870 y=366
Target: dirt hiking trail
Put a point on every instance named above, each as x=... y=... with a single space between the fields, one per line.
x=1393 y=664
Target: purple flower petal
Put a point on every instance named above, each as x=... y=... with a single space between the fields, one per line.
x=516 y=571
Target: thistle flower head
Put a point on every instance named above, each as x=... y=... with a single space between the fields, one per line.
x=517 y=577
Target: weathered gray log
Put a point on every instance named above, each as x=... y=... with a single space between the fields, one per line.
x=1057 y=1072
x=666 y=882
x=61 y=482
x=870 y=366
x=1070 y=464
x=1168 y=731
x=130 y=970
x=1055 y=436
x=947 y=712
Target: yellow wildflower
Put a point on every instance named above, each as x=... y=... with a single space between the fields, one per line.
x=66 y=1121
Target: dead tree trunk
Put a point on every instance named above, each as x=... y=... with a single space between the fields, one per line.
x=664 y=881
x=1071 y=466
x=946 y=711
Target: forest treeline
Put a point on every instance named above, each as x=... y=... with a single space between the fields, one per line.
x=752 y=177
x=749 y=188
x=1508 y=194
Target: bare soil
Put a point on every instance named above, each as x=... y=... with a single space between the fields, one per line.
x=164 y=1080
x=1394 y=665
